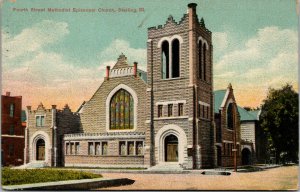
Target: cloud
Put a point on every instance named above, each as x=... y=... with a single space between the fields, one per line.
x=40 y=75
x=34 y=39
x=260 y=49
x=118 y=46
x=220 y=40
x=267 y=59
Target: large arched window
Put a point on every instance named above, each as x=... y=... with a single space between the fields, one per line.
x=200 y=58
x=165 y=60
x=204 y=62
x=122 y=110
x=230 y=116
x=175 y=59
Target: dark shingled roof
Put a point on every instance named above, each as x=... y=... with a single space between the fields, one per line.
x=218 y=96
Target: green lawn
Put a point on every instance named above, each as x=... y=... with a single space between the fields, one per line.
x=26 y=176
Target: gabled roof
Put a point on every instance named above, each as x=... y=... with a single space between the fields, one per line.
x=218 y=98
x=245 y=115
x=121 y=63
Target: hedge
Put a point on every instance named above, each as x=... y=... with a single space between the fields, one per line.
x=26 y=176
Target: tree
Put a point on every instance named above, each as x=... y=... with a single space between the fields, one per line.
x=279 y=119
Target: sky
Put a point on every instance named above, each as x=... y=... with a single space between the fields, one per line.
x=60 y=57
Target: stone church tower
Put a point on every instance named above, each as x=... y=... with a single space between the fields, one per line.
x=180 y=93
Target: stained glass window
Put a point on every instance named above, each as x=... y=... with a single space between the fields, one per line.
x=121 y=110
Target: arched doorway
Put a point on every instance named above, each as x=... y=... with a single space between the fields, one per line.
x=40 y=150
x=246 y=156
x=171 y=148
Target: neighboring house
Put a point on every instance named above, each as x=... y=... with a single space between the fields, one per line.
x=253 y=138
x=12 y=131
x=227 y=125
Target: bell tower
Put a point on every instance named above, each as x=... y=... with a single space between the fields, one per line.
x=179 y=67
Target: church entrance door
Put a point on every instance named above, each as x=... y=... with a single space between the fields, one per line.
x=40 y=150
x=171 y=148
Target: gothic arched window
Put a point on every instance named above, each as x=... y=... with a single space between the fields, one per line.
x=165 y=60
x=200 y=58
x=175 y=58
x=204 y=62
x=121 y=110
x=230 y=116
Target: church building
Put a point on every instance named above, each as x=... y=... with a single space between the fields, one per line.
x=167 y=116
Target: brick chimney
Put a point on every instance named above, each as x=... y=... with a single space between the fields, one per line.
x=28 y=108
x=193 y=45
x=135 y=69
x=107 y=72
x=7 y=94
x=53 y=106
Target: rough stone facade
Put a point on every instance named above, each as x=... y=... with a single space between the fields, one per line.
x=48 y=126
x=95 y=122
x=171 y=120
x=188 y=89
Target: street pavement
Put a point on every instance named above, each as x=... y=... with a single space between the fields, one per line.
x=280 y=178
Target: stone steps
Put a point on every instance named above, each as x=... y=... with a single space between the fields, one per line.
x=32 y=165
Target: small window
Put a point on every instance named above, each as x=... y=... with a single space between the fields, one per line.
x=97 y=148
x=12 y=130
x=11 y=110
x=160 y=108
x=72 y=148
x=207 y=112
x=180 y=109
x=170 y=110
x=40 y=121
x=139 y=148
x=67 y=148
x=104 y=148
x=11 y=150
x=199 y=110
x=228 y=147
x=230 y=116
x=130 y=150
x=77 y=148
x=91 y=148
x=203 y=111
x=122 y=148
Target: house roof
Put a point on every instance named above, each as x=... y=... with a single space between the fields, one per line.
x=218 y=98
x=142 y=74
x=246 y=115
x=255 y=113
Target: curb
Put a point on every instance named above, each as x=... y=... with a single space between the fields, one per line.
x=82 y=184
